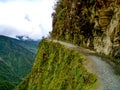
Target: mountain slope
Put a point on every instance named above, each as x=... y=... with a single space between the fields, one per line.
x=57 y=68
x=100 y=66
x=16 y=59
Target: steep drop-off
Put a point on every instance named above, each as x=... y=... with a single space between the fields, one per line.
x=57 y=67
x=89 y=23
x=16 y=60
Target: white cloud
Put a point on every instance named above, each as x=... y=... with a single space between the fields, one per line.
x=14 y=14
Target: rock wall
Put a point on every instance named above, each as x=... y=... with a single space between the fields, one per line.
x=107 y=21
x=92 y=23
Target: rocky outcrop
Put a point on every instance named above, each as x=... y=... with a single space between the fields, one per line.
x=108 y=22
x=92 y=23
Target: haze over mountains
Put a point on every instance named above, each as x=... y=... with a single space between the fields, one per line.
x=16 y=59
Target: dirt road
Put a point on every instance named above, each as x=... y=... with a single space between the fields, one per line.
x=107 y=79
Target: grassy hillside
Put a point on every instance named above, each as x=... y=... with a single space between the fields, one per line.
x=57 y=68
x=15 y=61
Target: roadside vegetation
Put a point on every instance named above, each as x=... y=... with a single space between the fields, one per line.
x=57 y=67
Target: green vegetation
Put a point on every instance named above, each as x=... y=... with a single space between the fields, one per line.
x=57 y=67
x=5 y=85
x=15 y=61
x=87 y=23
x=61 y=14
x=78 y=22
x=73 y=21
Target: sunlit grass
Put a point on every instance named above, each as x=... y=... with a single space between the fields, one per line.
x=58 y=68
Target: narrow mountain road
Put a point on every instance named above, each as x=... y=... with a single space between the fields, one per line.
x=107 y=79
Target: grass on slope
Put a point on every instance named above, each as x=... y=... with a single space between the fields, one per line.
x=57 y=68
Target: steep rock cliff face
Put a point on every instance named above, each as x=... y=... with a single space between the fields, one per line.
x=108 y=22
x=92 y=23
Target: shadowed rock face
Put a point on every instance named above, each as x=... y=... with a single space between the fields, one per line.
x=109 y=23
x=117 y=54
x=93 y=23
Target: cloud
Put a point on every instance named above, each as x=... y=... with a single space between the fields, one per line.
x=34 y=32
x=4 y=1
x=8 y=30
x=27 y=17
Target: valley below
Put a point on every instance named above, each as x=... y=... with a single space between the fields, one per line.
x=16 y=60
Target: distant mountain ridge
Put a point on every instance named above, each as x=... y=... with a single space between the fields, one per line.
x=24 y=38
x=28 y=43
x=16 y=59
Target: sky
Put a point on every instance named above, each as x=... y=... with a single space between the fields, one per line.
x=30 y=18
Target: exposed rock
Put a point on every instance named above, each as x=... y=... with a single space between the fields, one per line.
x=91 y=23
x=117 y=54
x=109 y=23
